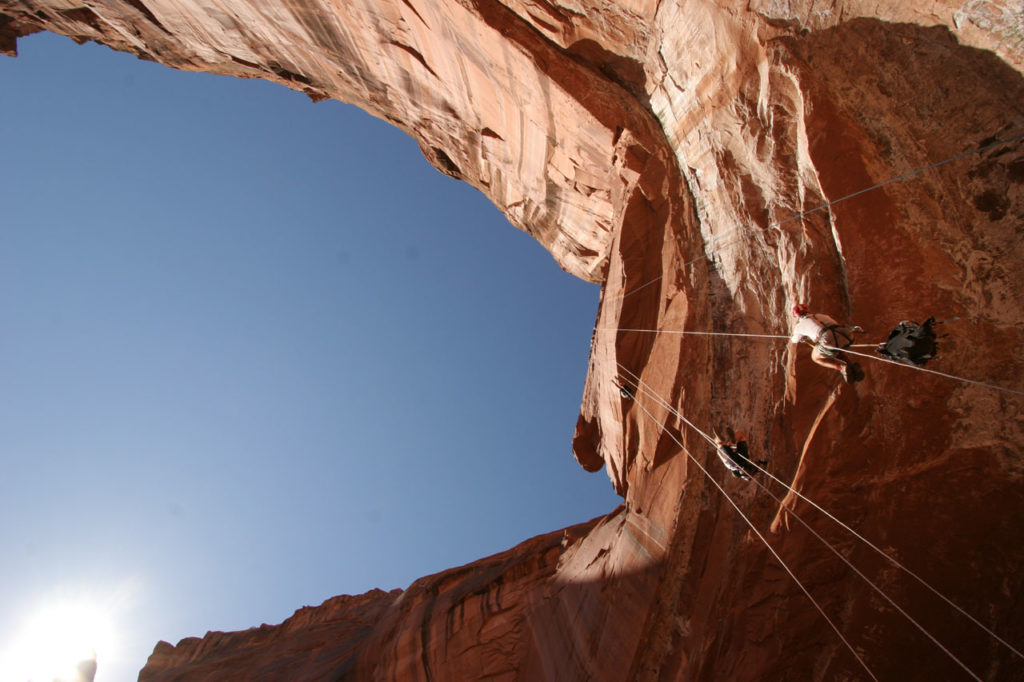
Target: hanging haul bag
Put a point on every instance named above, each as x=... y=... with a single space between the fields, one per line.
x=911 y=343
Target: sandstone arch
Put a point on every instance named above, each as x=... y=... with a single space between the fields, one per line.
x=633 y=139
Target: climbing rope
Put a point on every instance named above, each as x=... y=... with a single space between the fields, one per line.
x=870 y=582
x=767 y=545
x=779 y=223
x=835 y=348
x=929 y=371
x=641 y=385
x=669 y=331
x=716 y=244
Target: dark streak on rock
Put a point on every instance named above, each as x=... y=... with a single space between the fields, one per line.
x=416 y=54
x=1016 y=171
x=993 y=203
x=289 y=75
x=320 y=31
x=137 y=4
x=425 y=630
x=445 y=163
x=418 y=16
x=543 y=24
x=246 y=64
x=83 y=15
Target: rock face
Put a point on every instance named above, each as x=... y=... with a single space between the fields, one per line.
x=704 y=161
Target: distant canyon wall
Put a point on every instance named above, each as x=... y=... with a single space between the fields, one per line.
x=686 y=154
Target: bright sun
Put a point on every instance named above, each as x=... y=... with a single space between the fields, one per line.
x=55 y=640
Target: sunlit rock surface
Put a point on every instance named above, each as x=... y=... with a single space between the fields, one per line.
x=671 y=149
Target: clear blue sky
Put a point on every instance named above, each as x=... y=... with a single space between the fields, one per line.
x=256 y=353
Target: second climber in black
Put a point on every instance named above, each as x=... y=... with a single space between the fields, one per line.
x=735 y=455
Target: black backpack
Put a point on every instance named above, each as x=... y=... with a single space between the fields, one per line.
x=911 y=343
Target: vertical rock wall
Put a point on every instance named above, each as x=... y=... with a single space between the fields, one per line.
x=695 y=157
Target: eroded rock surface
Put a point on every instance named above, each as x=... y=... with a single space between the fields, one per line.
x=677 y=151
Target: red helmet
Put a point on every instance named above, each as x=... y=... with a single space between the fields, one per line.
x=800 y=309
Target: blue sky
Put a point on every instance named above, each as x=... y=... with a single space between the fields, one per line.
x=256 y=353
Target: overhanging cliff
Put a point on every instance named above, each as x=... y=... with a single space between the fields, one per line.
x=676 y=151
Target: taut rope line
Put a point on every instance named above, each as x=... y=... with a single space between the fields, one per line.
x=994 y=387
x=771 y=549
x=697 y=333
x=868 y=580
x=639 y=383
x=929 y=371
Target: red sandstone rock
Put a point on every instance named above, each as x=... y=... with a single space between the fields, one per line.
x=667 y=149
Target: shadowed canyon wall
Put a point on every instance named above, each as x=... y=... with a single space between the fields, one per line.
x=676 y=151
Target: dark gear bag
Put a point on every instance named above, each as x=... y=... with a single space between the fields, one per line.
x=911 y=343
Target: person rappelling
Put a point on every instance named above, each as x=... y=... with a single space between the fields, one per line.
x=829 y=338
x=735 y=455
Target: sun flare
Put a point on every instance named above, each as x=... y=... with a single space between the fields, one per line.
x=55 y=640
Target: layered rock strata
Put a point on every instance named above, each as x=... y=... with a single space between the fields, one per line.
x=696 y=158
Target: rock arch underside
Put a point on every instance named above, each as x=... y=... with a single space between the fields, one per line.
x=666 y=149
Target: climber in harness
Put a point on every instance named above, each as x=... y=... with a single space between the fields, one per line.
x=735 y=455
x=626 y=391
x=911 y=343
x=829 y=338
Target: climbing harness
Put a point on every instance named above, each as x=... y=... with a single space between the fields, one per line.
x=832 y=339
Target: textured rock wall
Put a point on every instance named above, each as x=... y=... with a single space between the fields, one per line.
x=670 y=150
